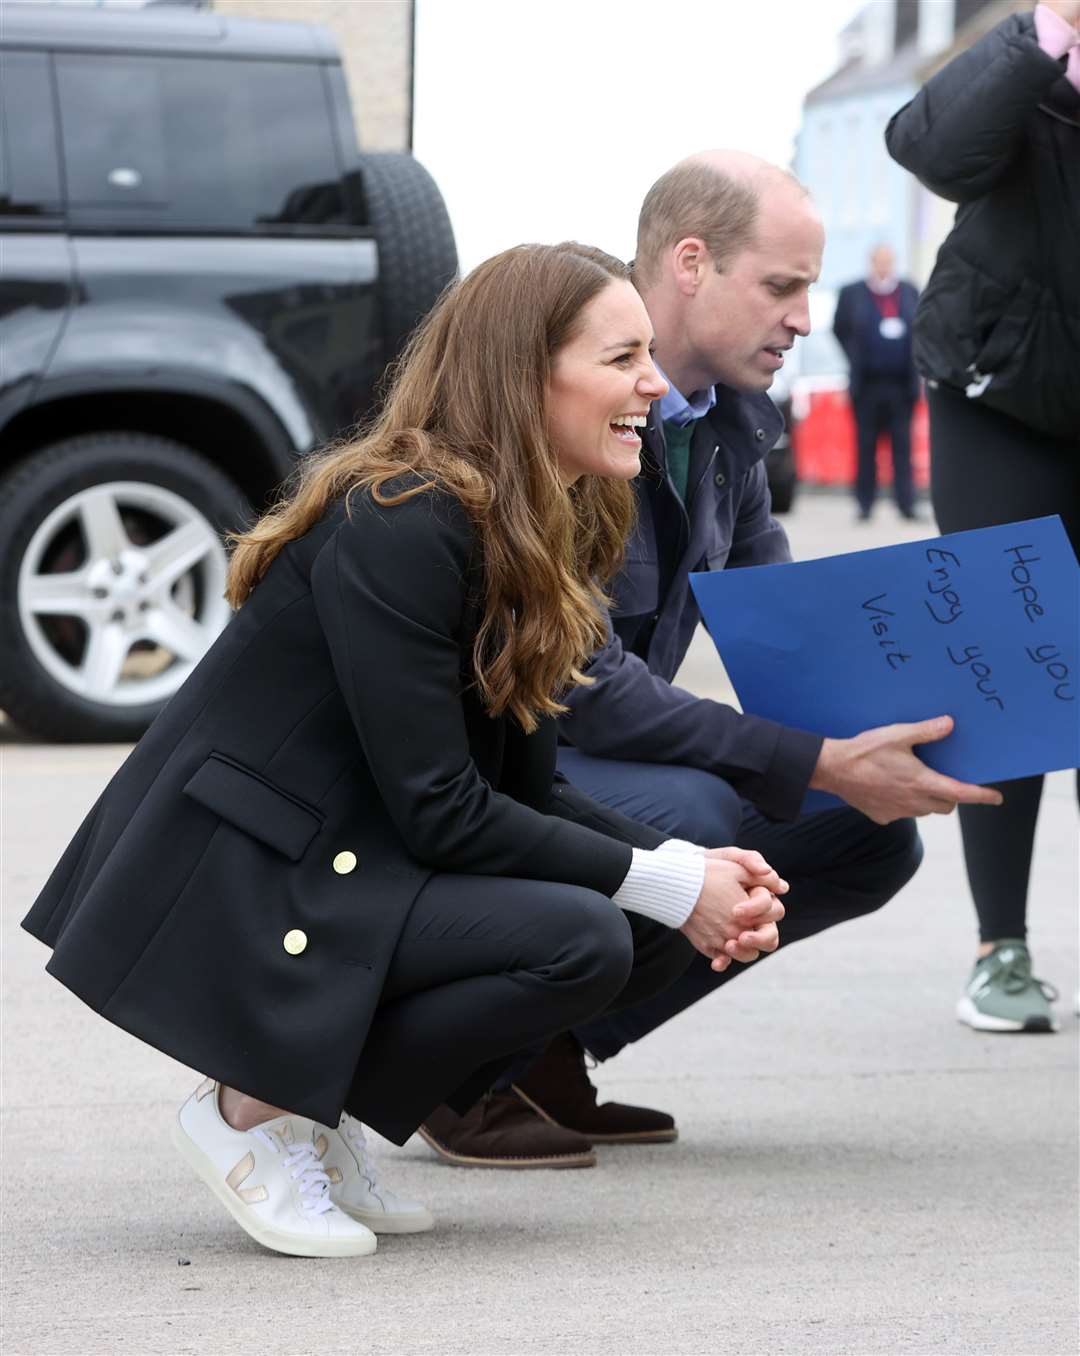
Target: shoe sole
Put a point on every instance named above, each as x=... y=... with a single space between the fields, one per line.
x=629 y=1137
x=969 y=1014
x=415 y=1223
x=582 y=1160
x=274 y=1239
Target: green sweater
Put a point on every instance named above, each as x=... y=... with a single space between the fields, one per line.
x=677 y=439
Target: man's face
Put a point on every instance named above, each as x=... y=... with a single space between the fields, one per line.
x=739 y=323
x=882 y=262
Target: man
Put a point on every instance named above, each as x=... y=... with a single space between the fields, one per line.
x=727 y=249
x=873 y=324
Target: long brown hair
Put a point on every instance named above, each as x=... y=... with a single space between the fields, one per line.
x=466 y=412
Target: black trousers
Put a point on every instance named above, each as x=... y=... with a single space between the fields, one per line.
x=486 y=967
x=883 y=405
x=840 y=866
x=988 y=469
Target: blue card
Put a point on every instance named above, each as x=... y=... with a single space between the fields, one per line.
x=983 y=626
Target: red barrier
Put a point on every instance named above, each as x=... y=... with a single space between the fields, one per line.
x=824 y=440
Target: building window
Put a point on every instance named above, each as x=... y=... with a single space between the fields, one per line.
x=965 y=11
x=852 y=159
x=879 y=174
x=905 y=23
x=822 y=171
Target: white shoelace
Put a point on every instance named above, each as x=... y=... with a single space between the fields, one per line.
x=353 y=1131
x=303 y=1166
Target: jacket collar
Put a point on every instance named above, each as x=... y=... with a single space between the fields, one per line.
x=736 y=419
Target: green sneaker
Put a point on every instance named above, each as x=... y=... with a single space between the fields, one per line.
x=1003 y=995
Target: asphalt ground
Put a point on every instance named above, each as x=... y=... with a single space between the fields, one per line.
x=856 y=1172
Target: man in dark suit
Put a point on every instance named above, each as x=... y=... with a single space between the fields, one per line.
x=873 y=324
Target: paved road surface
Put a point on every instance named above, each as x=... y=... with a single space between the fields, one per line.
x=857 y=1172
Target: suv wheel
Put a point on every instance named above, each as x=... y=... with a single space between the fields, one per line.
x=780 y=467
x=417 y=255
x=112 y=573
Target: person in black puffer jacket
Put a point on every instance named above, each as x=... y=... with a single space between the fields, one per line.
x=997 y=337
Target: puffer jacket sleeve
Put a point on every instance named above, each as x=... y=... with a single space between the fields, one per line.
x=390 y=589
x=964 y=128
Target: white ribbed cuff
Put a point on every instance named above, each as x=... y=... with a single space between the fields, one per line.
x=679 y=845
x=663 y=885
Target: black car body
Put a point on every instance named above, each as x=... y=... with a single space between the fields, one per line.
x=202 y=279
x=780 y=463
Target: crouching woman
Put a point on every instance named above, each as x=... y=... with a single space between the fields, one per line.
x=337 y=874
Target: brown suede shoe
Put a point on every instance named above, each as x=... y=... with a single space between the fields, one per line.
x=558 y=1088
x=500 y=1131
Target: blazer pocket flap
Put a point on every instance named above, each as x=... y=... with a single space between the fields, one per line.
x=251 y=803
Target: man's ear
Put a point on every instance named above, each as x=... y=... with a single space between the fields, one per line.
x=689 y=260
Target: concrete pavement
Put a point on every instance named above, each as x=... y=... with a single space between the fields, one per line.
x=857 y=1172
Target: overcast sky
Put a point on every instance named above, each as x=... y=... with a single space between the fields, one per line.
x=548 y=119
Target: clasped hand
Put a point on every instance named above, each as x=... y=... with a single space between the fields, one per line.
x=736 y=914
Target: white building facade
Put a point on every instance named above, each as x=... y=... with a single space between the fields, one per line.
x=866 y=199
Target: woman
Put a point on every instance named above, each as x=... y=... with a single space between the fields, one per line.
x=336 y=873
x=997 y=335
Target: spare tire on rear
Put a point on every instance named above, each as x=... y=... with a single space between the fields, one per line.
x=417 y=255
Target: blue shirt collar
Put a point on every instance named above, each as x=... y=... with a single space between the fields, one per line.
x=678 y=409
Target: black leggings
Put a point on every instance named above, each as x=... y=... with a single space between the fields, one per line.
x=988 y=469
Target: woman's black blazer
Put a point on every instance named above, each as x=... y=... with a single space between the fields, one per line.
x=236 y=894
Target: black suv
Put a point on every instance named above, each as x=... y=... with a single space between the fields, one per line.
x=202 y=279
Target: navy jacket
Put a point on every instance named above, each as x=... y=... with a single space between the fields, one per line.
x=632 y=711
x=869 y=355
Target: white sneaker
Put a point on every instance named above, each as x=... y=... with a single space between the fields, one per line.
x=269 y=1179
x=354 y=1184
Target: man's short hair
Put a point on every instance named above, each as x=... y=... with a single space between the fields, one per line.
x=695 y=199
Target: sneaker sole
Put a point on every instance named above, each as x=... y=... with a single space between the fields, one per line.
x=416 y=1222
x=969 y=1014
x=629 y=1137
x=582 y=1160
x=274 y=1239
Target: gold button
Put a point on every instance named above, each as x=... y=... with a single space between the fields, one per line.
x=345 y=862
x=295 y=942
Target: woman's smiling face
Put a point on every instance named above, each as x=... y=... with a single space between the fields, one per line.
x=601 y=385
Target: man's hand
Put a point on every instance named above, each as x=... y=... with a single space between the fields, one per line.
x=878 y=773
x=734 y=917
